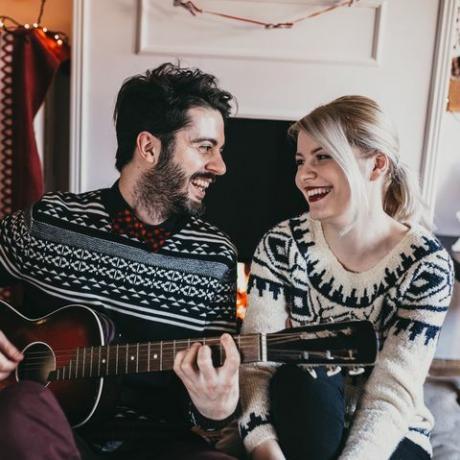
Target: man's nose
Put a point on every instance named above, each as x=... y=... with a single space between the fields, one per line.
x=217 y=165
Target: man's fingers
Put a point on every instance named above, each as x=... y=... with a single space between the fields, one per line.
x=9 y=350
x=6 y=366
x=232 y=355
x=205 y=365
x=185 y=364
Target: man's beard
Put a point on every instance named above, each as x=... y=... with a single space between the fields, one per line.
x=162 y=191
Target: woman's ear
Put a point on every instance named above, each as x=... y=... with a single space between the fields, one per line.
x=148 y=147
x=380 y=164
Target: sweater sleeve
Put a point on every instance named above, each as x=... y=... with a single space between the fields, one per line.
x=267 y=312
x=14 y=238
x=395 y=388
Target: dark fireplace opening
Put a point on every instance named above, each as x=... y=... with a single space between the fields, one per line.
x=258 y=190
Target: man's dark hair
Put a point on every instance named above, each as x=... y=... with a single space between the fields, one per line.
x=158 y=102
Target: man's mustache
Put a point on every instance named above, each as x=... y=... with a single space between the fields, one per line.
x=204 y=175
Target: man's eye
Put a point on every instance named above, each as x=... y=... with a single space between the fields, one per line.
x=206 y=147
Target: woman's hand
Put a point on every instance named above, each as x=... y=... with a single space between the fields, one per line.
x=268 y=450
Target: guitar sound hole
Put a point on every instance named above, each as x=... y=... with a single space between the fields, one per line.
x=38 y=362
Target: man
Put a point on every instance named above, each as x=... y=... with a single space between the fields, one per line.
x=138 y=254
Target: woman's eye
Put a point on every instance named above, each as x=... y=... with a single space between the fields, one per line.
x=322 y=156
x=298 y=162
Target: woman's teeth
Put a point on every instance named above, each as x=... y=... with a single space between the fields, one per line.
x=318 y=193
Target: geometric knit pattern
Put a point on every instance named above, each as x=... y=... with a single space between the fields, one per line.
x=64 y=249
x=296 y=280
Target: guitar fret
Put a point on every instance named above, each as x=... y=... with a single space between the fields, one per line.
x=137 y=358
x=126 y=359
x=148 y=357
x=161 y=355
x=107 y=370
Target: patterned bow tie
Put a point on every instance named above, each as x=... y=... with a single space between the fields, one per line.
x=126 y=223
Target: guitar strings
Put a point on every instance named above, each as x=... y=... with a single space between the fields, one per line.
x=239 y=340
x=68 y=356
x=166 y=363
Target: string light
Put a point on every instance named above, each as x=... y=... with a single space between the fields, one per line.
x=195 y=10
x=59 y=37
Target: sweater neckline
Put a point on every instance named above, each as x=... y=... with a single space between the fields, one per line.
x=392 y=258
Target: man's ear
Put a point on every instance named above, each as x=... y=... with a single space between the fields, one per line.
x=148 y=147
x=380 y=163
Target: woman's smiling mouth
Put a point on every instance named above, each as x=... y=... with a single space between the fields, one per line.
x=315 y=194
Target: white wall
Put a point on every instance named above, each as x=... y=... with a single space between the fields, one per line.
x=448 y=186
x=383 y=49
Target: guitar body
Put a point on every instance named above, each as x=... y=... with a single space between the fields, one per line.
x=68 y=328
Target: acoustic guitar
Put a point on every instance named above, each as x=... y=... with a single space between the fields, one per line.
x=66 y=351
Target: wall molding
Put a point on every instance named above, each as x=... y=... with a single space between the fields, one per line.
x=437 y=102
x=77 y=96
x=262 y=53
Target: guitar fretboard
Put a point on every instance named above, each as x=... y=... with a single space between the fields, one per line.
x=122 y=359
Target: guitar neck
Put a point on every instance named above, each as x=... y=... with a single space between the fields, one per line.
x=348 y=344
x=115 y=359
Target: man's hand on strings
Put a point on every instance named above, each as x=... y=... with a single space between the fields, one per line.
x=213 y=390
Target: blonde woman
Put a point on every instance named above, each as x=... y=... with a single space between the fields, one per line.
x=359 y=253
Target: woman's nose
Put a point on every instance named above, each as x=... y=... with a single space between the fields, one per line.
x=306 y=172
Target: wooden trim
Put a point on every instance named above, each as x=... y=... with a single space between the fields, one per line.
x=437 y=101
x=77 y=97
x=445 y=368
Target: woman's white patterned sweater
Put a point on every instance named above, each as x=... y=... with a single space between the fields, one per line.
x=296 y=280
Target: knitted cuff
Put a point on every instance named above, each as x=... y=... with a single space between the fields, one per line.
x=208 y=424
x=257 y=436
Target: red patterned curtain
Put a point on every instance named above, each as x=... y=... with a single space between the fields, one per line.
x=29 y=59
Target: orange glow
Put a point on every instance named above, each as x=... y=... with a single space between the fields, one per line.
x=241 y=289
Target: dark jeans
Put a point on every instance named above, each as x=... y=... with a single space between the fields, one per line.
x=308 y=415
x=33 y=427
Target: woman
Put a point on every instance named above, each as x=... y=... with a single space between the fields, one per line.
x=359 y=253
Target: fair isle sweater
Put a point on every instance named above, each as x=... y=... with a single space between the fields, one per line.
x=64 y=251
x=296 y=280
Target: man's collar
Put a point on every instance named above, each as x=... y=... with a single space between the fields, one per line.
x=116 y=204
x=114 y=201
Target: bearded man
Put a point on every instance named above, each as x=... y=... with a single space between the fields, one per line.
x=139 y=256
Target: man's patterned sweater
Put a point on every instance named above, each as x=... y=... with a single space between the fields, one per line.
x=296 y=280
x=65 y=251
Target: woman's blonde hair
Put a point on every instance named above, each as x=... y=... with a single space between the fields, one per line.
x=358 y=121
